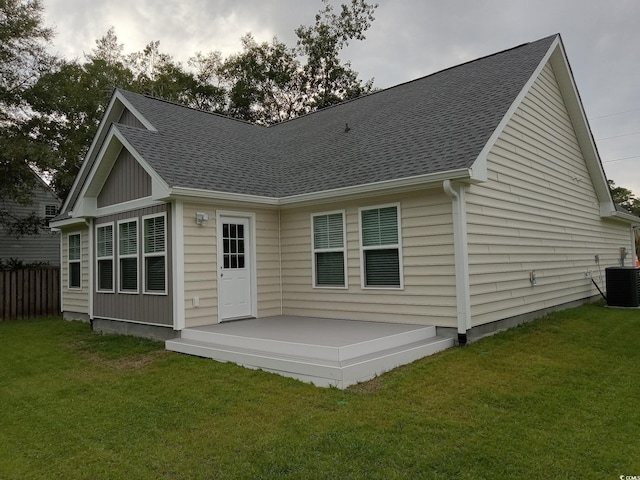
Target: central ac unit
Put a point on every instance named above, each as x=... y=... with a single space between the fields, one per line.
x=623 y=286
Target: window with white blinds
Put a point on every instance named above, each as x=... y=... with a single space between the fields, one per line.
x=104 y=254
x=74 y=260
x=329 y=254
x=128 y=255
x=155 y=258
x=381 y=247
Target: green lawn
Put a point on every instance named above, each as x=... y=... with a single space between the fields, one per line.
x=558 y=398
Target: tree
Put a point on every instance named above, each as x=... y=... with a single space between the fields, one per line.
x=23 y=55
x=264 y=82
x=625 y=198
x=270 y=82
x=159 y=75
x=327 y=80
x=67 y=104
x=23 y=59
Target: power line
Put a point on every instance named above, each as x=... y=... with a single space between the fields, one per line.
x=614 y=114
x=618 y=136
x=620 y=159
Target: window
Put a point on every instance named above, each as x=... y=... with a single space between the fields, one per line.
x=128 y=256
x=74 y=260
x=50 y=211
x=104 y=244
x=155 y=278
x=328 y=250
x=380 y=247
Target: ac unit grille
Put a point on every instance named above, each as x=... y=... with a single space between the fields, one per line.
x=623 y=286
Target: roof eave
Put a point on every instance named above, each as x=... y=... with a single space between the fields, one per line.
x=66 y=222
x=385 y=186
x=624 y=217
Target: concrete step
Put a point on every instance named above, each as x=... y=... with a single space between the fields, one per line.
x=306 y=367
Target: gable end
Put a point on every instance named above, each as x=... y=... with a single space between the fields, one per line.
x=127 y=181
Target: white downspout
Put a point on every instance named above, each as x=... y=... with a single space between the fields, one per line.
x=456 y=192
x=280 y=260
x=90 y=252
x=177 y=256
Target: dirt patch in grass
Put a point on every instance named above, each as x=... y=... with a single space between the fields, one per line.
x=132 y=362
x=370 y=386
x=118 y=352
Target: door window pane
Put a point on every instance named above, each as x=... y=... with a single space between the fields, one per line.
x=233 y=246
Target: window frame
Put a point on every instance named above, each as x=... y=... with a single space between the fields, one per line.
x=49 y=216
x=342 y=249
x=146 y=255
x=74 y=261
x=136 y=255
x=106 y=258
x=397 y=246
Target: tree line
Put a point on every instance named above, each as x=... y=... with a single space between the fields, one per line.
x=50 y=108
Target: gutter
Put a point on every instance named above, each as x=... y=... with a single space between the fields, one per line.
x=419 y=181
x=456 y=191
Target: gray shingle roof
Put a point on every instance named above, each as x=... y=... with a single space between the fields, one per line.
x=434 y=124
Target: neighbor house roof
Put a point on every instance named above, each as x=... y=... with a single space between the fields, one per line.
x=437 y=123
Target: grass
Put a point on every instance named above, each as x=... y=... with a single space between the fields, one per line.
x=557 y=398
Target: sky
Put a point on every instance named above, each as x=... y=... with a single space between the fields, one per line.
x=408 y=39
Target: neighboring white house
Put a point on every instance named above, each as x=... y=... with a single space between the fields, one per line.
x=43 y=247
x=469 y=199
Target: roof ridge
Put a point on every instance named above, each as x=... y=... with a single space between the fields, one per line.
x=194 y=109
x=416 y=79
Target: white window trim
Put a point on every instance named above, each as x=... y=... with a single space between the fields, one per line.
x=44 y=209
x=111 y=257
x=145 y=255
x=381 y=247
x=315 y=250
x=136 y=256
x=69 y=261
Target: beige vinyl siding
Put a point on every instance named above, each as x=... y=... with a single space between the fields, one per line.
x=74 y=300
x=428 y=296
x=538 y=212
x=268 y=263
x=200 y=266
x=200 y=263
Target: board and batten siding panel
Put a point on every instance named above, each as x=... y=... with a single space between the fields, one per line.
x=538 y=212
x=200 y=263
x=429 y=291
x=126 y=181
x=129 y=119
x=75 y=300
x=140 y=307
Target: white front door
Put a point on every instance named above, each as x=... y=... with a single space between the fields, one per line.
x=235 y=269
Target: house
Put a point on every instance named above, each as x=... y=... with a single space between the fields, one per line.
x=41 y=248
x=435 y=211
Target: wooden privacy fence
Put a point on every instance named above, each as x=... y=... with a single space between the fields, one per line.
x=29 y=293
